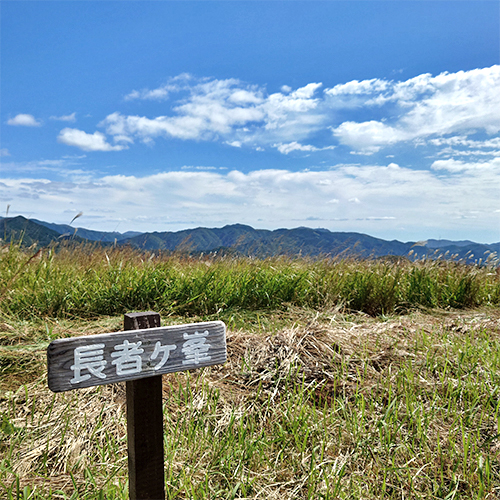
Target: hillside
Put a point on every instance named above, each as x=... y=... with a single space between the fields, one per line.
x=239 y=239
x=27 y=232
x=245 y=240
x=87 y=234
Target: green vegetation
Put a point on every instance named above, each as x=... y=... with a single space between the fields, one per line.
x=345 y=379
x=89 y=282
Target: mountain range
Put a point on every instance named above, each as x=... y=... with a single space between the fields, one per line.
x=240 y=239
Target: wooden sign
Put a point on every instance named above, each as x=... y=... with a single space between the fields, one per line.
x=138 y=356
x=78 y=362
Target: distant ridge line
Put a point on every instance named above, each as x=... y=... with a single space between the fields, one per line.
x=244 y=240
x=241 y=239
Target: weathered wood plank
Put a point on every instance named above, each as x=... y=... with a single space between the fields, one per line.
x=141 y=320
x=145 y=426
x=79 y=362
x=145 y=439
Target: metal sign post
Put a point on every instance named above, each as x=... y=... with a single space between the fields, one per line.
x=138 y=356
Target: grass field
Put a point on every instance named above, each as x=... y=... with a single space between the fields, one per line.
x=345 y=379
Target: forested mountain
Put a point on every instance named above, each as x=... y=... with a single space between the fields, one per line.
x=87 y=234
x=27 y=232
x=240 y=239
x=249 y=241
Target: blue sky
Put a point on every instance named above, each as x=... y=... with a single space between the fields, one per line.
x=380 y=117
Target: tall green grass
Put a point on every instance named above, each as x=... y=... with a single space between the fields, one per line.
x=87 y=282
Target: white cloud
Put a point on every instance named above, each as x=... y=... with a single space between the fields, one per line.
x=24 y=120
x=441 y=111
x=52 y=163
x=245 y=97
x=425 y=203
x=4 y=152
x=462 y=140
x=296 y=111
x=86 y=142
x=227 y=110
x=199 y=167
x=451 y=152
x=356 y=87
x=214 y=109
x=65 y=167
x=163 y=92
x=306 y=92
x=463 y=146
x=461 y=102
x=454 y=166
x=74 y=157
x=65 y=118
x=293 y=146
x=369 y=136
x=158 y=94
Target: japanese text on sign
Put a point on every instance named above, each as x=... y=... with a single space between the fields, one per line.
x=128 y=356
x=108 y=358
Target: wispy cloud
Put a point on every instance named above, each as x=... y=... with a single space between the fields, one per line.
x=461 y=146
x=4 y=152
x=295 y=146
x=65 y=167
x=161 y=93
x=24 y=120
x=65 y=118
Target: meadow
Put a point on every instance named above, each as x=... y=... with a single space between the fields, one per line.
x=346 y=378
